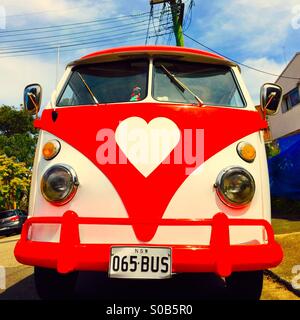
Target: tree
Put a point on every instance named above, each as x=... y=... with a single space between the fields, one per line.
x=20 y=146
x=17 y=134
x=13 y=121
x=14 y=183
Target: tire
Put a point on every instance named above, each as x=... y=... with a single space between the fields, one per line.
x=51 y=285
x=245 y=285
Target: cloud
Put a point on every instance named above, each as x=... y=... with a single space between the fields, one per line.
x=250 y=31
x=254 y=80
x=18 y=72
x=249 y=26
x=31 y=12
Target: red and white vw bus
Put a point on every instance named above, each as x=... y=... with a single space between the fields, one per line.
x=150 y=162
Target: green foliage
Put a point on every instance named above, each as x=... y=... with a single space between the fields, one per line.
x=272 y=149
x=21 y=146
x=14 y=183
x=17 y=145
x=17 y=134
x=13 y=121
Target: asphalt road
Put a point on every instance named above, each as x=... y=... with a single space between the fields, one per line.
x=94 y=285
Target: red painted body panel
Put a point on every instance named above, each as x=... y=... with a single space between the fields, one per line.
x=164 y=49
x=219 y=257
x=149 y=196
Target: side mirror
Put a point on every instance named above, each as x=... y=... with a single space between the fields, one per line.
x=33 y=98
x=270 y=98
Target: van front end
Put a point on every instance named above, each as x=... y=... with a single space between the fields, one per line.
x=150 y=162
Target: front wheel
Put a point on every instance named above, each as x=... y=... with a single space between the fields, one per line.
x=52 y=285
x=245 y=285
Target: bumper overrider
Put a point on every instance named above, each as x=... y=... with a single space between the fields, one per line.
x=220 y=256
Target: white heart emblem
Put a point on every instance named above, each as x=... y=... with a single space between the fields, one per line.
x=147 y=145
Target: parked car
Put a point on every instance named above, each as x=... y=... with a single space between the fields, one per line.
x=11 y=221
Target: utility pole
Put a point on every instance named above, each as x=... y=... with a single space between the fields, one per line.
x=177 y=9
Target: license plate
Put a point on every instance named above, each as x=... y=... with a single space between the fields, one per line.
x=140 y=262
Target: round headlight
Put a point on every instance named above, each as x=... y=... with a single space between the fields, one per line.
x=59 y=184
x=235 y=186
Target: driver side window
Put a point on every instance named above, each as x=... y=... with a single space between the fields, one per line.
x=75 y=93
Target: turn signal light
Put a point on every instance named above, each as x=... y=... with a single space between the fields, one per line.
x=246 y=151
x=51 y=149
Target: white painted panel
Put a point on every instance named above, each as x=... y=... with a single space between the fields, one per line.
x=165 y=235
x=195 y=199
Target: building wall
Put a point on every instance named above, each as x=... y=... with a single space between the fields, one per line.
x=283 y=124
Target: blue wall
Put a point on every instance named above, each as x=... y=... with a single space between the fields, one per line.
x=284 y=169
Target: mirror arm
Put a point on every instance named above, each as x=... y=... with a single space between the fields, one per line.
x=35 y=105
x=270 y=100
x=264 y=110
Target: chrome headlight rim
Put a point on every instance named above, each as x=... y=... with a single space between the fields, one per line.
x=74 y=184
x=221 y=194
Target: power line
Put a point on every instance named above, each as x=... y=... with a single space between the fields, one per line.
x=53 y=50
x=189 y=16
x=162 y=14
x=55 y=44
x=169 y=20
x=149 y=20
x=169 y=38
x=71 y=44
x=71 y=41
x=75 y=44
x=7 y=33
x=72 y=35
x=61 y=39
x=240 y=63
x=73 y=32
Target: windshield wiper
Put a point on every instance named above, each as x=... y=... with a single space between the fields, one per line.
x=88 y=88
x=182 y=87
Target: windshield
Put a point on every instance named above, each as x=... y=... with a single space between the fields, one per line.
x=213 y=84
x=110 y=82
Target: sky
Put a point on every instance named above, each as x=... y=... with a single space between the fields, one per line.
x=262 y=34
